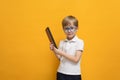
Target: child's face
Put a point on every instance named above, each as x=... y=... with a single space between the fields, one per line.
x=70 y=31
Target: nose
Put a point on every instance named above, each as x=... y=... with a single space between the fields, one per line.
x=69 y=30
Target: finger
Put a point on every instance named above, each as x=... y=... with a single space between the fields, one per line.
x=51 y=47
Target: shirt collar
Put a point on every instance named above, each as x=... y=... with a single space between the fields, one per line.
x=72 y=40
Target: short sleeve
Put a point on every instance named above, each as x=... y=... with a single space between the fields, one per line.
x=80 y=45
x=60 y=45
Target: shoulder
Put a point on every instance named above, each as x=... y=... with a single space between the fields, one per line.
x=80 y=44
x=79 y=41
x=61 y=42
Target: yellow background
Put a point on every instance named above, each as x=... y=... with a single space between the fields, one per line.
x=24 y=46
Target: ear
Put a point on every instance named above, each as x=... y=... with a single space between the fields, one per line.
x=76 y=28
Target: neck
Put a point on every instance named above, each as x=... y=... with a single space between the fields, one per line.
x=71 y=38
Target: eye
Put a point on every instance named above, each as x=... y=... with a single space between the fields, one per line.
x=67 y=28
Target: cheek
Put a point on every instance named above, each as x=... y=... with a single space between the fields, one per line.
x=73 y=33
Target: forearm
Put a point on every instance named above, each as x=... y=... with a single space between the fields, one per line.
x=59 y=53
x=70 y=57
x=52 y=48
x=58 y=56
x=74 y=58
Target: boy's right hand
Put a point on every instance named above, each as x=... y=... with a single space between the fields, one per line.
x=51 y=46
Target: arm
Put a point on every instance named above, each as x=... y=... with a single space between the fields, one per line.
x=60 y=53
x=74 y=59
x=52 y=48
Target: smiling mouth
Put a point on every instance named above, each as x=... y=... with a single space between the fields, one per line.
x=69 y=34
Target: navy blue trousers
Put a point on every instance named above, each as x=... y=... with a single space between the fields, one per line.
x=61 y=76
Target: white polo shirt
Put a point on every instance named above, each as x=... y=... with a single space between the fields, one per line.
x=69 y=47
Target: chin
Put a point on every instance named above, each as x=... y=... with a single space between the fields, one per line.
x=70 y=36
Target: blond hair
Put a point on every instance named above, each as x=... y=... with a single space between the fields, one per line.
x=68 y=20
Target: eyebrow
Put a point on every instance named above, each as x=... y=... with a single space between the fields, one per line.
x=69 y=26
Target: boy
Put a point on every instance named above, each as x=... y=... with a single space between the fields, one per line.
x=69 y=52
